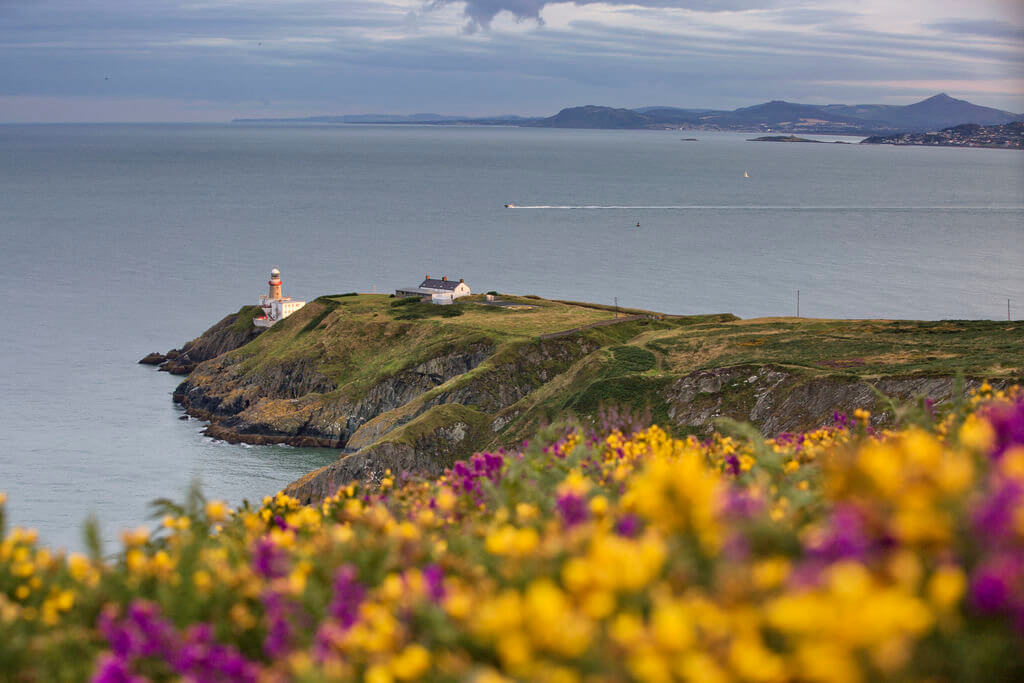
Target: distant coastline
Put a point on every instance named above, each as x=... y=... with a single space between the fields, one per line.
x=778 y=116
x=1008 y=136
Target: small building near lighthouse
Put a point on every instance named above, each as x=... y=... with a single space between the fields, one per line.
x=275 y=306
x=443 y=291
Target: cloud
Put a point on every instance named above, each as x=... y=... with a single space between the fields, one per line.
x=481 y=13
x=395 y=56
x=980 y=27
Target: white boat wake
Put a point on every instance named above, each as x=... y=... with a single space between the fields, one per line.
x=708 y=207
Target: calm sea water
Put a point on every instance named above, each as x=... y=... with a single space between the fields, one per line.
x=120 y=240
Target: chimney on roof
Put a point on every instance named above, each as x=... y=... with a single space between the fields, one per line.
x=426 y=277
x=461 y=280
x=444 y=278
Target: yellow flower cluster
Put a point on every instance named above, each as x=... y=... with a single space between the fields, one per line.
x=837 y=555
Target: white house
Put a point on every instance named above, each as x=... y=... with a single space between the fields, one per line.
x=443 y=291
x=275 y=307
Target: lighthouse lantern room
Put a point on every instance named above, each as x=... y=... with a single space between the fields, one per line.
x=275 y=307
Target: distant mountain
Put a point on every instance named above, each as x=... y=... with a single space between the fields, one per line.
x=592 y=116
x=789 y=116
x=939 y=111
x=932 y=114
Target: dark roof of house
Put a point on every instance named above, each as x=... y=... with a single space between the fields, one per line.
x=431 y=283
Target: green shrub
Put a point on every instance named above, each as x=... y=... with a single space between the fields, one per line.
x=630 y=359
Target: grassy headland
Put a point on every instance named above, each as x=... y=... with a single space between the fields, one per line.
x=374 y=373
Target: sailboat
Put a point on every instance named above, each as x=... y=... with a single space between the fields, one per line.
x=746 y=175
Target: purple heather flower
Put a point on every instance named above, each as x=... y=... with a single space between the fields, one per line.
x=467 y=475
x=990 y=591
x=573 y=508
x=740 y=504
x=268 y=560
x=732 y=465
x=434 y=577
x=1008 y=423
x=113 y=669
x=846 y=536
x=144 y=634
x=348 y=595
x=628 y=526
x=279 y=629
x=993 y=518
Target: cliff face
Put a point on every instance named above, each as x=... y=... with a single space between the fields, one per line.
x=776 y=400
x=413 y=389
x=294 y=403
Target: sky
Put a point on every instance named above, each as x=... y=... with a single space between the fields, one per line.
x=214 y=60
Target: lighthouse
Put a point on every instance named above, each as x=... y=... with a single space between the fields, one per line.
x=275 y=284
x=275 y=306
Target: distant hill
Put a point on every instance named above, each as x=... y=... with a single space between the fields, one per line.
x=592 y=116
x=933 y=114
x=938 y=111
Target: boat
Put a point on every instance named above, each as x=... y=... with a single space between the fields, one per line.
x=746 y=175
x=510 y=205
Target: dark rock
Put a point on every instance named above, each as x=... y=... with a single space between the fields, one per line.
x=153 y=359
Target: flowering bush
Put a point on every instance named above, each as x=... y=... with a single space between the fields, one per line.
x=843 y=554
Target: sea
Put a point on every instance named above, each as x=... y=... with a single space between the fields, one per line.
x=118 y=240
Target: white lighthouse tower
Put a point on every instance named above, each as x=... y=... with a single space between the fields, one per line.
x=275 y=306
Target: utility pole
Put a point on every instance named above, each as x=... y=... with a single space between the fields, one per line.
x=616 y=307
x=798 y=303
x=1007 y=310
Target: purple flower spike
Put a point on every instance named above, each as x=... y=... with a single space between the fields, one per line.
x=846 y=537
x=279 y=629
x=1008 y=423
x=573 y=509
x=628 y=526
x=989 y=591
x=113 y=669
x=993 y=518
x=467 y=476
x=434 y=577
x=144 y=634
x=268 y=560
x=732 y=465
x=348 y=595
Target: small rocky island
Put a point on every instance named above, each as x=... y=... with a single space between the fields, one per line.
x=792 y=138
x=1006 y=136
